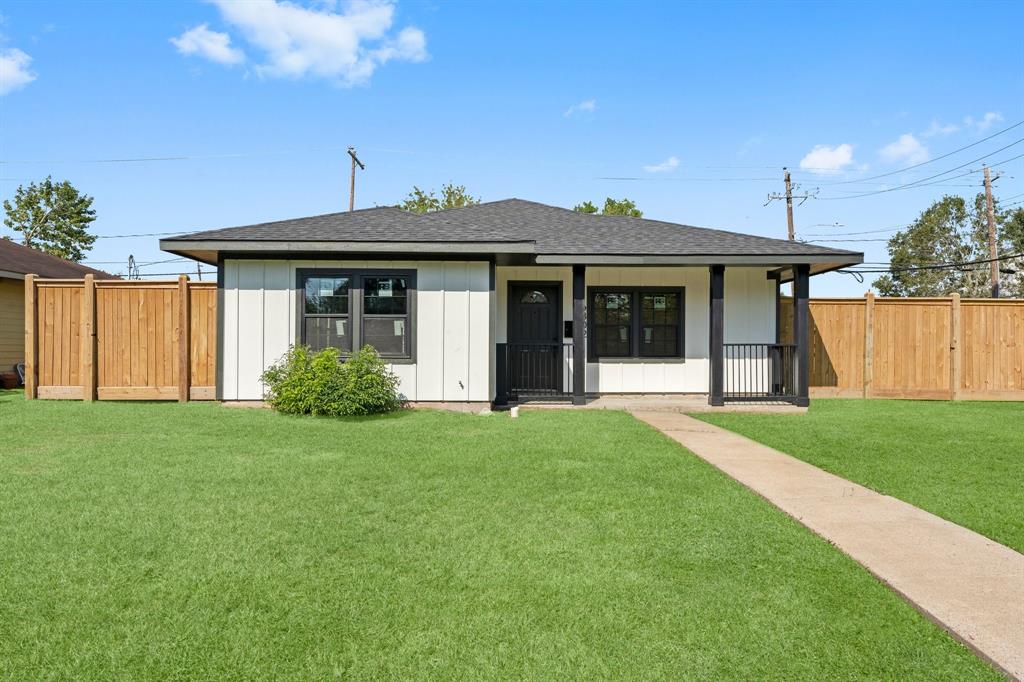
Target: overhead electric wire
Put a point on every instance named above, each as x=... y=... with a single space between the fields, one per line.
x=936 y=266
x=922 y=182
x=937 y=158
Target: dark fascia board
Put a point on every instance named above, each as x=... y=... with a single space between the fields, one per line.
x=836 y=260
x=238 y=246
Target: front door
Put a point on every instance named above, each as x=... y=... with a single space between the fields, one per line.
x=535 y=350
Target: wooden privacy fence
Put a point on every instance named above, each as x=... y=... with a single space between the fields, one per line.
x=120 y=339
x=925 y=348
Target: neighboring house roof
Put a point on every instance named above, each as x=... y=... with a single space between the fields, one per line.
x=16 y=261
x=541 y=233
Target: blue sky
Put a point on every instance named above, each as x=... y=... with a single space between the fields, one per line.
x=702 y=103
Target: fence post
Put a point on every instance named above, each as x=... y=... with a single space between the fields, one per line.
x=869 y=342
x=88 y=336
x=184 y=342
x=954 y=346
x=31 y=317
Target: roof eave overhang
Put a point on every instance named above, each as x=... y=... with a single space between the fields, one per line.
x=817 y=261
x=209 y=251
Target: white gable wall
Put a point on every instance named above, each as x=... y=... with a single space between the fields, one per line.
x=452 y=330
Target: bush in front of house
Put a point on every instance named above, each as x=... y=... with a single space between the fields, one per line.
x=304 y=382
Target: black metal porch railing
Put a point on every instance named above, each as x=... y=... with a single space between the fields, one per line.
x=760 y=371
x=531 y=371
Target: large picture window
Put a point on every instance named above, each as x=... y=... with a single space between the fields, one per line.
x=347 y=309
x=635 y=322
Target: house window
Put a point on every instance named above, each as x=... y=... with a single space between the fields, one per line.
x=385 y=316
x=640 y=322
x=325 y=318
x=350 y=309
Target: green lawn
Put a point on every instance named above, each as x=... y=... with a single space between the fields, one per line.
x=157 y=541
x=963 y=461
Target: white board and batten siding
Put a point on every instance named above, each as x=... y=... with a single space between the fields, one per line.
x=453 y=329
x=749 y=318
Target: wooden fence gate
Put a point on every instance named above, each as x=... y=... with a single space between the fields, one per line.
x=120 y=339
x=923 y=348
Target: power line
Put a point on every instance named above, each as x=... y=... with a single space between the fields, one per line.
x=940 y=266
x=922 y=181
x=937 y=158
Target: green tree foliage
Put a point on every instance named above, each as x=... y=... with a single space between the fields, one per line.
x=624 y=207
x=304 y=382
x=953 y=231
x=53 y=217
x=452 y=196
x=585 y=207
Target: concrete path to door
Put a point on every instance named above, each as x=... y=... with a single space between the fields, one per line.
x=969 y=585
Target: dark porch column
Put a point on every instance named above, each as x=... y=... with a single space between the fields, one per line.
x=716 y=347
x=801 y=330
x=579 y=334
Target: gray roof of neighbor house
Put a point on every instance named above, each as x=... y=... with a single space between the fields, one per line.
x=16 y=261
x=526 y=229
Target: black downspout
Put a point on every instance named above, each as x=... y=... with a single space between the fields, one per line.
x=716 y=346
x=579 y=335
x=801 y=330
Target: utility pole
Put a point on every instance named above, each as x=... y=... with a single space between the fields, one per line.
x=789 y=196
x=352 y=182
x=994 y=264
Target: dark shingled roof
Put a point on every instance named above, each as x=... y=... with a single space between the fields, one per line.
x=552 y=231
x=25 y=261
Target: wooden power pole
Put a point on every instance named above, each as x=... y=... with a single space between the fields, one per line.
x=992 y=252
x=789 y=196
x=352 y=181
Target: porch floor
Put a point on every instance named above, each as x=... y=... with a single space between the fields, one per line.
x=689 y=403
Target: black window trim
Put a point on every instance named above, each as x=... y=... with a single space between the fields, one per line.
x=355 y=304
x=635 y=321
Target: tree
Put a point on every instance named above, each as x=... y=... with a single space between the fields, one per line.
x=53 y=217
x=452 y=196
x=950 y=231
x=624 y=207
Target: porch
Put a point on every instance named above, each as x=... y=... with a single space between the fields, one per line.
x=542 y=338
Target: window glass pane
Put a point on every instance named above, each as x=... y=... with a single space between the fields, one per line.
x=659 y=324
x=534 y=297
x=328 y=332
x=385 y=295
x=389 y=335
x=659 y=342
x=659 y=308
x=612 y=308
x=612 y=341
x=327 y=295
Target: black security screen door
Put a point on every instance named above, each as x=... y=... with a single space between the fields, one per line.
x=535 y=350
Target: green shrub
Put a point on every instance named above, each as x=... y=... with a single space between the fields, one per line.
x=304 y=382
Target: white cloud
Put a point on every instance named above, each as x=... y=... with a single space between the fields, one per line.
x=345 y=47
x=587 y=106
x=984 y=123
x=908 y=149
x=668 y=164
x=824 y=159
x=212 y=45
x=937 y=129
x=14 y=71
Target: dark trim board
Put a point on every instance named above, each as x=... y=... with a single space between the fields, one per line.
x=219 y=378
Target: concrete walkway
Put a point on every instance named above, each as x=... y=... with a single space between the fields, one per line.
x=969 y=585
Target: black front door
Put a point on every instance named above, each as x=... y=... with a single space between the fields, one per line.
x=535 y=352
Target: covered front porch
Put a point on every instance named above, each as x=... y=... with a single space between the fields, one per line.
x=703 y=333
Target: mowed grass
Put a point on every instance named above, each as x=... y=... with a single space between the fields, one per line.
x=166 y=541
x=963 y=461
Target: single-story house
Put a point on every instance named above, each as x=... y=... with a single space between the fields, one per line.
x=505 y=301
x=16 y=261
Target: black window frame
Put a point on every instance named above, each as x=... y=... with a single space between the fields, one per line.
x=636 y=324
x=356 y=315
